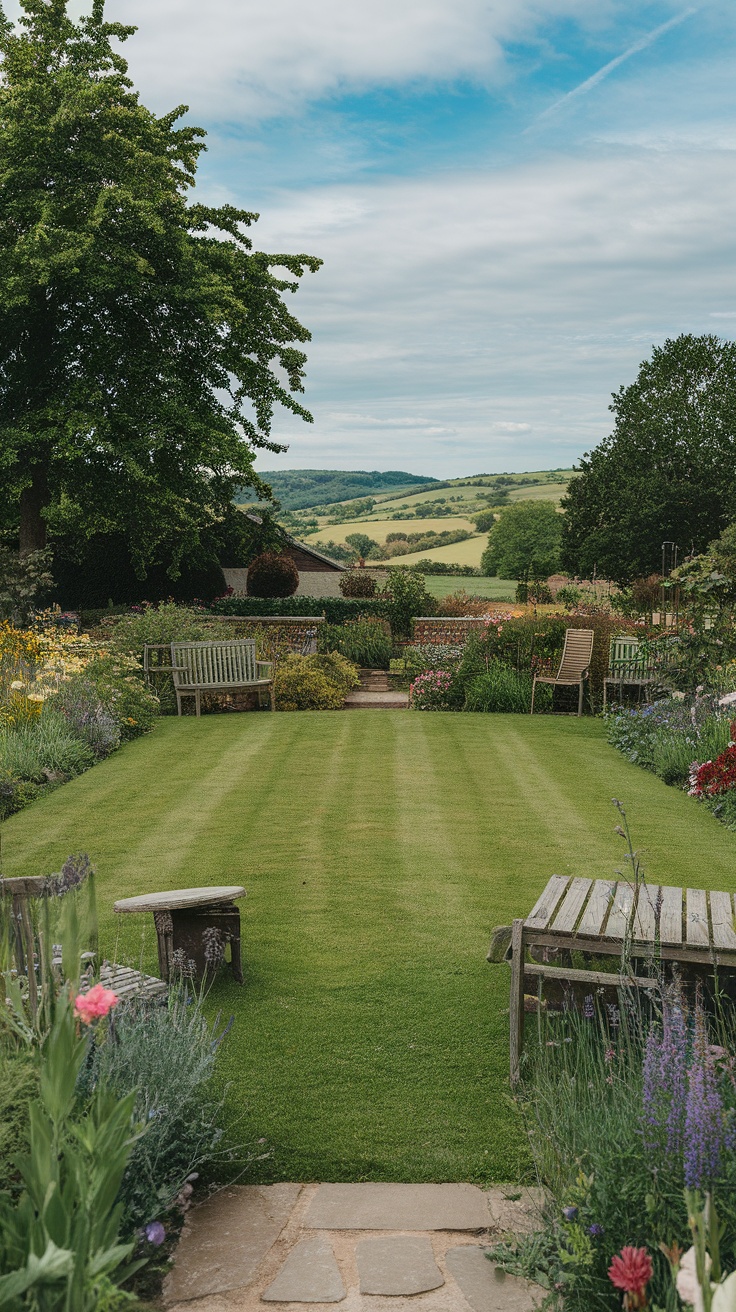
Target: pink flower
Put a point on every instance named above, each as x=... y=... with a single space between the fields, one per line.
x=96 y=1002
x=631 y=1270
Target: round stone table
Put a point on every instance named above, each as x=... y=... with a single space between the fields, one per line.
x=193 y=928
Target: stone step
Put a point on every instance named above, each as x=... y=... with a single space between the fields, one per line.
x=362 y=700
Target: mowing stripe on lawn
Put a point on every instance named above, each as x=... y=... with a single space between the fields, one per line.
x=378 y=849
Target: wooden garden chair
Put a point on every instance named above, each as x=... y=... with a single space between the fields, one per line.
x=574 y=665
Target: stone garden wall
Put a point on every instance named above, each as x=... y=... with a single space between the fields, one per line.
x=448 y=629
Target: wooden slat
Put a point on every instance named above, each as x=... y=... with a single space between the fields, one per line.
x=645 y=918
x=621 y=911
x=696 y=918
x=545 y=906
x=599 y=901
x=670 y=918
x=571 y=906
x=722 y=919
x=596 y=978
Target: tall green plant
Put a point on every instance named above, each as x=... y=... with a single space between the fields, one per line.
x=59 y=1245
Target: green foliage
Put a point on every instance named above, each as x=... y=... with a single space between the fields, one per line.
x=164 y=1057
x=123 y=694
x=501 y=688
x=272 y=575
x=296 y=489
x=666 y=736
x=408 y=598
x=365 y=642
x=358 y=583
x=24 y=582
x=18 y=1085
x=59 y=1244
x=361 y=544
x=570 y=596
x=314 y=683
x=36 y=752
x=668 y=470
x=484 y=520
x=524 y=541
x=167 y=622
x=148 y=335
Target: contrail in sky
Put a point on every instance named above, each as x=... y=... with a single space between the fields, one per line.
x=593 y=81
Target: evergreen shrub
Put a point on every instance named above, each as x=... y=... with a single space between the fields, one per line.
x=272 y=575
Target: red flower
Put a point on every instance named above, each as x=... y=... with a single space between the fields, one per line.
x=631 y=1270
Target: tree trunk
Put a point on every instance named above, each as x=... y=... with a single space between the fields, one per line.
x=33 y=499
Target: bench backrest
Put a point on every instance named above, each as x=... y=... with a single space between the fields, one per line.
x=214 y=664
x=627 y=658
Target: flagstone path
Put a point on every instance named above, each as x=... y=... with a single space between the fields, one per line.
x=371 y=1247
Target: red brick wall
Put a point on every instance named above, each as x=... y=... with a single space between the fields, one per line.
x=448 y=629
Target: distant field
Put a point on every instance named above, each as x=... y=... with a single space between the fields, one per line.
x=378 y=529
x=441 y=585
x=546 y=492
x=468 y=552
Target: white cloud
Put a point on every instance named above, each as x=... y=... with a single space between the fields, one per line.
x=250 y=57
x=508 y=306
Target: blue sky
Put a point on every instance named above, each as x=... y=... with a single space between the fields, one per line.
x=500 y=254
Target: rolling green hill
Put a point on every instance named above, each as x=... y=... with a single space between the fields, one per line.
x=298 y=489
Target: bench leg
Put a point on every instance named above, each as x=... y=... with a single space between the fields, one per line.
x=273 y=698
x=198 y=701
x=235 y=961
x=516 y=1009
x=534 y=686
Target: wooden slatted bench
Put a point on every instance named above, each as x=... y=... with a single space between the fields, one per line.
x=598 y=915
x=198 y=667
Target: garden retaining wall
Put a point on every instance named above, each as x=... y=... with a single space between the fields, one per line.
x=447 y=629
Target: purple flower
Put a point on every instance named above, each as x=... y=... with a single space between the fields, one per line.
x=703 y=1126
x=596 y=1230
x=570 y=1213
x=155 y=1233
x=589 y=1007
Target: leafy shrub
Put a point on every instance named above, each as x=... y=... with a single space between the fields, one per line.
x=429 y=691
x=365 y=642
x=314 y=683
x=165 y=1056
x=501 y=688
x=272 y=575
x=48 y=748
x=335 y=609
x=535 y=591
x=408 y=598
x=445 y=567
x=24 y=581
x=570 y=596
x=460 y=603
x=163 y=624
x=358 y=583
x=86 y=716
x=123 y=694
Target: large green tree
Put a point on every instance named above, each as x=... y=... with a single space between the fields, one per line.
x=524 y=542
x=667 y=473
x=144 y=344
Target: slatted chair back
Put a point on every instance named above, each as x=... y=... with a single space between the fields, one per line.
x=626 y=659
x=576 y=655
x=214 y=664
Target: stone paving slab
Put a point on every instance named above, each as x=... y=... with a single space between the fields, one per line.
x=225 y=1239
x=398 y=1207
x=402 y=1264
x=365 y=699
x=485 y=1287
x=310 y=1274
x=516 y=1209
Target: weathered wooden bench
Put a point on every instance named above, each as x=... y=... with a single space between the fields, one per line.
x=628 y=667
x=598 y=916
x=198 y=667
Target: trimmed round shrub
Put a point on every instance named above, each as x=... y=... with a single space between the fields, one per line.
x=357 y=583
x=314 y=683
x=272 y=575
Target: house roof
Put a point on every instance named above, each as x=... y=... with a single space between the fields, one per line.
x=317 y=555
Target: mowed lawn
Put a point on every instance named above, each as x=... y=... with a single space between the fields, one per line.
x=378 y=850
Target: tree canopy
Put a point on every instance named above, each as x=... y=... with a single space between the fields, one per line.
x=667 y=473
x=524 y=542
x=144 y=343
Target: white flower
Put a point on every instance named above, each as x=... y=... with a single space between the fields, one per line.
x=688 y=1285
x=17 y=685
x=728 y=700
x=724 y=1296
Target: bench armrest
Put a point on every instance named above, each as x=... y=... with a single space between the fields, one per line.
x=265 y=665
